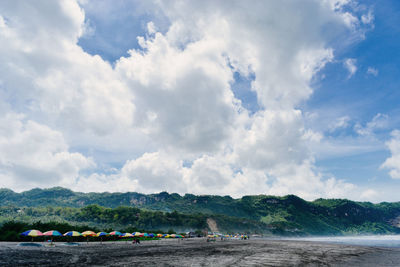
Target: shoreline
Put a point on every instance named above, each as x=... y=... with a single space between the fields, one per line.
x=198 y=252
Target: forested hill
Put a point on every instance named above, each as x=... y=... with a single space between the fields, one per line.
x=289 y=213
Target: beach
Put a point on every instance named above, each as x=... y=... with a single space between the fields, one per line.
x=198 y=252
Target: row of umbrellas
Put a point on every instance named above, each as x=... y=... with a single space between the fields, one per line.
x=36 y=233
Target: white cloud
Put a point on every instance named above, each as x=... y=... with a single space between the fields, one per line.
x=45 y=73
x=340 y=123
x=350 y=65
x=369 y=195
x=393 y=163
x=33 y=155
x=378 y=122
x=171 y=101
x=372 y=71
x=368 y=18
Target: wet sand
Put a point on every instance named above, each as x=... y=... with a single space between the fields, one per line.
x=198 y=252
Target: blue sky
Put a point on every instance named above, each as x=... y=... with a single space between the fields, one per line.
x=268 y=98
x=364 y=95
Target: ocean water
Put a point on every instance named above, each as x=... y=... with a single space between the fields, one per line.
x=370 y=240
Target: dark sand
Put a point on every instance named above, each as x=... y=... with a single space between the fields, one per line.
x=198 y=252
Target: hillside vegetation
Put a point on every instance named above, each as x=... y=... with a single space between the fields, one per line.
x=288 y=215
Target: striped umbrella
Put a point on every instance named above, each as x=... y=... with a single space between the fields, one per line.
x=137 y=234
x=101 y=234
x=89 y=233
x=52 y=233
x=116 y=233
x=159 y=235
x=32 y=233
x=145 y=234
x=72 y=233
x=151 y=235
x=127 y=235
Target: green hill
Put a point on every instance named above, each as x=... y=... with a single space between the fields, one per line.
x=268 y=214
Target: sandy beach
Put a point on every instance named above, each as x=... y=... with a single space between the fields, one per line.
x=198 y=252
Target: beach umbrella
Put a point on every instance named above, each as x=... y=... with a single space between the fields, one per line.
x=101 y=234
x=52 y=233
x=137 y=234
x=151 y=235
x=32 y=233
x=89 y=233
x=173 y=235
x=166 y=236
x=159 y=235
x=127 y=235
x=116 y=233
x=72 y=233
x=145 y=234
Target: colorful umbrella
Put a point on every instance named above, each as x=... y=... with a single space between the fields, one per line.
x=89 y=233
x=151 y=235
x=52 y=233
x=127 y=235
x=173 y=235
x=101 y=234
x=32 y=233
x=145 y=234
x=116 y=233
x=137 y=234
x=159 y=235
x=166 y=236
x=72 y=233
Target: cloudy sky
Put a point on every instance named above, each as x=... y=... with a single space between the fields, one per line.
x=206 y=97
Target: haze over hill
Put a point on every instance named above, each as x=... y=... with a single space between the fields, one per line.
x=264 y=214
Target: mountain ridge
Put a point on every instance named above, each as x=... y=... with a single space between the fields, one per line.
x=284 y=214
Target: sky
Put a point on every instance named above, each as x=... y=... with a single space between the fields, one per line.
x=204 y=97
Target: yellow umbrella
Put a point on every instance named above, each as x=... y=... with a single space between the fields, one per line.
x=89 y=233
x=101 y=234
x=127 y=235
x=72 y=233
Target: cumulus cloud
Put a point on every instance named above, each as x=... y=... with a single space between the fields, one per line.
x=393 y=163
x=174 y=95
x=45 y=73
x=33 y=155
